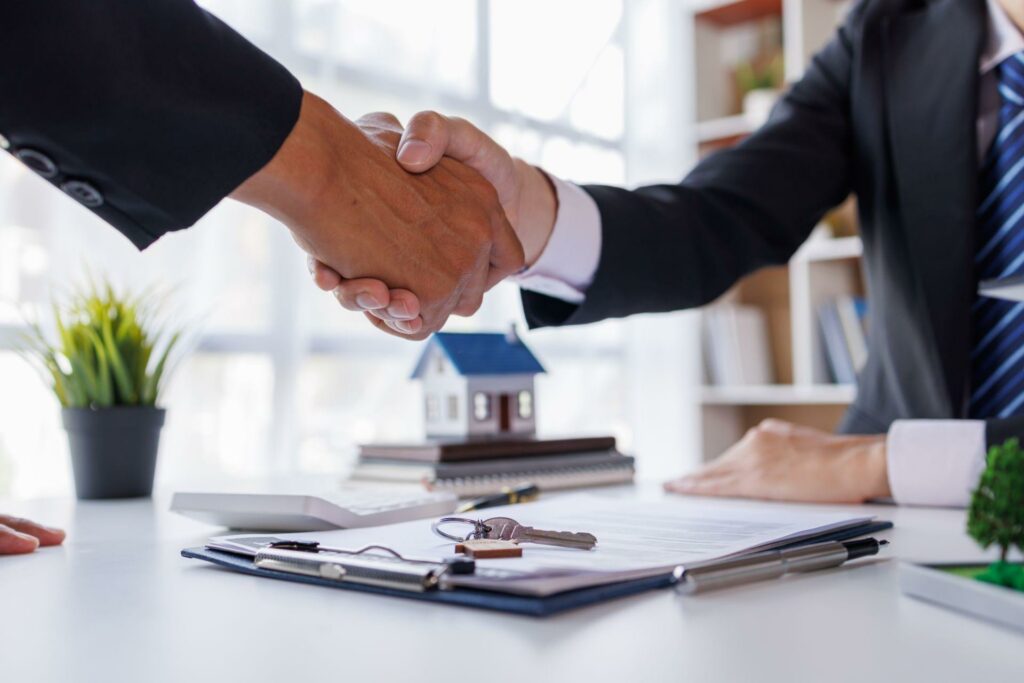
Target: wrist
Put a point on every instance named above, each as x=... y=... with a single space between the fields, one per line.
x=875 y=468
x=537 y=210
x=305 y=167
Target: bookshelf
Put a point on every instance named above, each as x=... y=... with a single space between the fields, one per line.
x=728 y=37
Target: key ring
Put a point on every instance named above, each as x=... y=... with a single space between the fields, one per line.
x=478 y=528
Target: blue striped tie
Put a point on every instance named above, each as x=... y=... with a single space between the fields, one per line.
x=997 y=360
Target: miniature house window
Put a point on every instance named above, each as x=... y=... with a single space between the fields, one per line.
x=453 y=407
x=481 y=406
x=525 y=405
x=432 y=408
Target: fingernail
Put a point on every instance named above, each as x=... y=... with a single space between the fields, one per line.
x=368 y=301
x=403 y=326
x=414 y=151
x=399 y=310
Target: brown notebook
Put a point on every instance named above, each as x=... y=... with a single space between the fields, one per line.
x=461 y=450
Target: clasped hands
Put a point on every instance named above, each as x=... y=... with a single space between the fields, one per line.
x=408 y=226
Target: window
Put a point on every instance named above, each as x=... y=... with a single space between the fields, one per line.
x=433 y=408
x=439 y=363
x=526 y=404
x=277 y=368
x=453 y=407
x=481 y=406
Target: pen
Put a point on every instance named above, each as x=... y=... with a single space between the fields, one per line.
x=508 y=496
x=771 y=564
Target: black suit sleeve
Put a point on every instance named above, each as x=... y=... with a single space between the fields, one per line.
x=157 y=105
x=669 y=247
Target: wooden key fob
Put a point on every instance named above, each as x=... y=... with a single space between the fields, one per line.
x=486 y=548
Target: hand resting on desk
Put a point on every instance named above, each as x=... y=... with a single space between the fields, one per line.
x=19 y=536
x=778 y=460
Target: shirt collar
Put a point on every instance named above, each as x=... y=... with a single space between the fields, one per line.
x=1004 y=38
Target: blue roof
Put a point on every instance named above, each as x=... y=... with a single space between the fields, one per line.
x=482 y=353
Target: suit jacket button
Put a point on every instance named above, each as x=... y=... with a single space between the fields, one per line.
x=83 y=192
x=4 y=142
x=37 y=161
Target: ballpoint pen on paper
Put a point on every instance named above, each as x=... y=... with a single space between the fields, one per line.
x=771 y=564
x=508 y=496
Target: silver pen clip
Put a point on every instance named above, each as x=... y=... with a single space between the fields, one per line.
x=388 y=570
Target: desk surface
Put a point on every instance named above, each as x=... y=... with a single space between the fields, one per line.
x=118 y=603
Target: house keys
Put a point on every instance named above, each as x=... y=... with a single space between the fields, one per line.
x=508 y=529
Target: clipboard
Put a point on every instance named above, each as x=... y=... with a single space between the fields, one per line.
x=492 y=600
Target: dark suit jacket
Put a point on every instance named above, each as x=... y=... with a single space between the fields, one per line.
x=886 y=110
x=148 y=111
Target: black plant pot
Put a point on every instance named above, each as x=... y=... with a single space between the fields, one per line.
x=113 y=450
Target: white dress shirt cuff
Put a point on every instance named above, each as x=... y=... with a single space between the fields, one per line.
x=567 y=265
x=935 y=462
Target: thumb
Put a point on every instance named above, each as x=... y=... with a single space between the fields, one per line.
x=424 y=142
x=430 y=136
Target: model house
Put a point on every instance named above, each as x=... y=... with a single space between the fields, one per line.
x=478 y=384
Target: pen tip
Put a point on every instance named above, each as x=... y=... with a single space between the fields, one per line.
x=883 y=542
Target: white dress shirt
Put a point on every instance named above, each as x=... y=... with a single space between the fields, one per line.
x=930 y=462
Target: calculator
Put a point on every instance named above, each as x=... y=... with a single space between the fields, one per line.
x=346 y=508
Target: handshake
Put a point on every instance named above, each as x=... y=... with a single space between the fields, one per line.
x=407 y=226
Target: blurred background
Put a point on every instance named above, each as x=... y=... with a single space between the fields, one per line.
x=282 y=381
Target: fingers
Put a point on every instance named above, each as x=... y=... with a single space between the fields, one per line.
x=380 y=119
x=472 y=296
x=391 y=328
x=15 y=543
x=507 y=257
x=362 y=294
x=24 y=536
x=325 y=277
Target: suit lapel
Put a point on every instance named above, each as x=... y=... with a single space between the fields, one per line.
x=931 y=60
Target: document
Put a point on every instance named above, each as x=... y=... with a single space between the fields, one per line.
x=635 y=539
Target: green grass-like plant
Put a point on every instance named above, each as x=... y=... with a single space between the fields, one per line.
x=109 y=351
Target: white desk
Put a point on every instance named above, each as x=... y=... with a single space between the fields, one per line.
x=118 y=603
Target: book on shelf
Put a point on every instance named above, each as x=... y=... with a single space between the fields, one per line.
x=736 y=346
x=575 y=465
x=843 y=323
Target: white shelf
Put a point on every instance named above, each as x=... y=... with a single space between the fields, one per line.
x=830 y=249
x=779 y=394
x=725 y=127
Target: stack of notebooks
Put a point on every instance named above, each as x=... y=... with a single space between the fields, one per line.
x=485 y=466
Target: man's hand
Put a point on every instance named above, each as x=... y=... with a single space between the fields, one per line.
x=442 y=236
x=525 y=193
x=18 y=536
x=781 y=461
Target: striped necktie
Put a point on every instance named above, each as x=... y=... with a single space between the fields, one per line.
x=997 y=359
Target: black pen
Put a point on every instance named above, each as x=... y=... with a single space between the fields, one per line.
x=771 y=564
x=508 y=496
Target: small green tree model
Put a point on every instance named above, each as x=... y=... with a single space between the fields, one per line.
x=996 y=513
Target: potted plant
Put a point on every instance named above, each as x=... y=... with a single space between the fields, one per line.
x=996 y=513
x=759 y=83
x=107 y=366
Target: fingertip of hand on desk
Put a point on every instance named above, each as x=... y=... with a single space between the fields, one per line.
x=16 y=543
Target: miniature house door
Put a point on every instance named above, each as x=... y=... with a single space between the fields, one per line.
x=504 y=413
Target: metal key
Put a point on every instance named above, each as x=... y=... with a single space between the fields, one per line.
x=508 y=529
